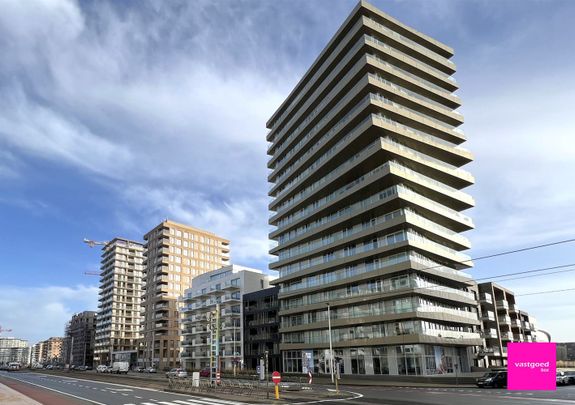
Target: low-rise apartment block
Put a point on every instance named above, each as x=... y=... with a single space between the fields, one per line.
x=261 y=329
x=224 y=288
x=502 y=322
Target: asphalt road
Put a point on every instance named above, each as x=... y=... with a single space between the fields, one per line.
x=462 y=396
x=72 y=391
x=81 y=392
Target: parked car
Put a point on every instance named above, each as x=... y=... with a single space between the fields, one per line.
x=177 y=373
x=140 y=369
x=205 y=372
x=570 y=376
x=102 y=369
x=561 y=378
x=493 y=379
x=80 y=368
x=151 y=370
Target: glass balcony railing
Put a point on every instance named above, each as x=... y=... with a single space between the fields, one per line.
x=444 y=109
x=420 y=48
x=420 y=65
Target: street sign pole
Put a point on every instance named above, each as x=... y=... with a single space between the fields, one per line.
x=276 y=378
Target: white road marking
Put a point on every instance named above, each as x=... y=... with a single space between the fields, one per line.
x=59 y=392
x=212 y=401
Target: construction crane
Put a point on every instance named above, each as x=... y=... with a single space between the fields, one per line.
x=93 y=243
x=4 y=330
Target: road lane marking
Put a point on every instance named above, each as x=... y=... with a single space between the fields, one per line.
x=203 y=401
x=212 y=401
x=58 y=391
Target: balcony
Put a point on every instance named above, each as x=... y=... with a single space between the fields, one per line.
x=488 y=316
x=485 y=298
x=489 y=334
x=231 y=286
x=505 y=320
x=513 y=308
x=502 y=304
x=516 y=323
x=507 y=336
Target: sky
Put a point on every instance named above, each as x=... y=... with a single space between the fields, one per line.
x=117 y=115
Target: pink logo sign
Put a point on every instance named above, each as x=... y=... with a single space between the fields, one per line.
x=531 y=366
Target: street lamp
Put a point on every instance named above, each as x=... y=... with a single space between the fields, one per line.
x=330 y=342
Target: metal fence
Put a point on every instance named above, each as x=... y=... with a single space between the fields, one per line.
x=251 y=387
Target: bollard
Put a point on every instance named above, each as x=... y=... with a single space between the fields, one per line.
x=277 y=392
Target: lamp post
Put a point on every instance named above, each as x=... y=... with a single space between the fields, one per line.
x=330 y=342
x=266 y=374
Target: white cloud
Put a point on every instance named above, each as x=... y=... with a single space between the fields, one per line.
x=37 y=313
x=42 y=132
x=241 y=220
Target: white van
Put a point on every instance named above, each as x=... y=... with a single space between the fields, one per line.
x=120 y=367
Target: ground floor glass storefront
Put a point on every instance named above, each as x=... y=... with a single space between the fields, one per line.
x=393 y=360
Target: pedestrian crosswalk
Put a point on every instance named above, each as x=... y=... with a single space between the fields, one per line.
x=191 y=401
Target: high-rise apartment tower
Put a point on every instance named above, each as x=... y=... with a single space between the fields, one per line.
x=366 y=176
x=118 y=318
x=175 y=253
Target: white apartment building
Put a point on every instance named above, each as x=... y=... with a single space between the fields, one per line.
x=224 y=286
x=14 y=350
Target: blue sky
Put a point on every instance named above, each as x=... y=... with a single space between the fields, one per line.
x=116 y=115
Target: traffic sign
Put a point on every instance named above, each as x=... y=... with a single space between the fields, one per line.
x=276 y=377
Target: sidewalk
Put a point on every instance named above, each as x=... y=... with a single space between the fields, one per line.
x=9 y=396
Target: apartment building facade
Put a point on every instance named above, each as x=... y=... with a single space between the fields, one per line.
x=366 y=177
x=119 y=310
x=503 y=322
x=224 y=288
x=14 y=350
x=261 y=329
x=80 y=339
x=50 y=351
x=174 y=255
